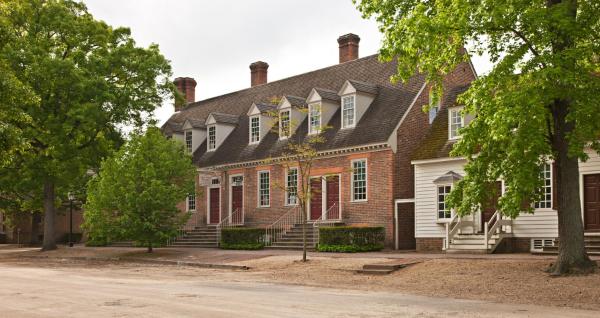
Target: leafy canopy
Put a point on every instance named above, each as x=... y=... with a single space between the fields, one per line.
x=68 y=83
x=136 y=193
x=542 y=51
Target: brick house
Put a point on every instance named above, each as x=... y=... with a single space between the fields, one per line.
x=363 y=174
x=437 y=228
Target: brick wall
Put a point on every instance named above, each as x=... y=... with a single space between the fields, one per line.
x=377 y=210
x=429 y=244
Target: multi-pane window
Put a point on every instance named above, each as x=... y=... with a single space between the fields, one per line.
x=188 y=140
x=456 y=123
x=314 y=118
x=546 y=174
x=254 y=129
x=212 y=137
x=191 y=202
x=291 y=194
x=359 y=180
x=443 y=212
x=263 y=189
x=284 y=124
x=348 y=111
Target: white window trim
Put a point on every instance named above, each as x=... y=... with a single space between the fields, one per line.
x=191 y=145
x=250 y=141
x=285 y=198
x=437 y=202
x=258 y=189
x=551 y=208
x=366 y=180
x=310 y=130
x=353 y=96
x=281 y=135
x=187 y=203
x=462 y=122
x=208 y=148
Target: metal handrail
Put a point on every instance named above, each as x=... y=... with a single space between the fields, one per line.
x=277 y=229
x=236 y=218
x=324 y=219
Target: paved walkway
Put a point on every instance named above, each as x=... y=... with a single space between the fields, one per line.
x=89 y=293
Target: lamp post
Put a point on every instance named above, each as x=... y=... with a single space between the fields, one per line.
x=71 y=199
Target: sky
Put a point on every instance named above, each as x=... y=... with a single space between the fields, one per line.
x=215 y=41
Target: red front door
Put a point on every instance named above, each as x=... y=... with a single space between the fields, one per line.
x=215 y=200
x=591 y=202
x=316 y=203
x=333 y=197
x=491 y=207
x=237 y=201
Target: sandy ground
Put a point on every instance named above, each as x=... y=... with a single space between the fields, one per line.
x=104 y=289
x=513 y=279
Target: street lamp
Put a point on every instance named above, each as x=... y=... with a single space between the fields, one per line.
x=71 y=199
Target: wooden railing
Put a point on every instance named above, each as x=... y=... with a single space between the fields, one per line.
x=236 y=218
x=453 y=227
x=277 y=230
x=494 y=227
x=333 y=211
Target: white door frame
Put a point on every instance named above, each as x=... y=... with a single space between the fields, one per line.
x=231 y=193
x=396 y=231
x=213 y=186
x=324 y=194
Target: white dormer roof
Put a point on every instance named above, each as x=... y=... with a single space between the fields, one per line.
x=290 y=101
x=353 y=87
x=221 y=118
x=321 y=94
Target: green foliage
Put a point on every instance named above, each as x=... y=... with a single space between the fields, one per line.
x=242 y=239
x=546 y=57
x=136 y=193
x=351 y=239
x=68 y=83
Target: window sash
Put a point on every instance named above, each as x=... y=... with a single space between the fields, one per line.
x=284 y=126
x=254 y=129
x=188 y=140
x=456 y=123
x=291 y=193
x=191 y=202
x=443 y=212
x=359 y=180
x=546 y=174
x=348 y=107
x=212 y=138
x=263 y=189
x=315 y=118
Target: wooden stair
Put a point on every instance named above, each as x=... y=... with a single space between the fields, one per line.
x=472 y=244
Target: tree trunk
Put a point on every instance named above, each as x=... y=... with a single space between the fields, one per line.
x=49 y=214
x=149 y=247
x=572 y=257
x=304 y=235
x=35 y=228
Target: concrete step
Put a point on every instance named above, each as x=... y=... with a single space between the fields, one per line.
x=375 y=271
x=292 y=248
x=194 y=246
x=383 y=266
x=472 y=241
x=466 y=251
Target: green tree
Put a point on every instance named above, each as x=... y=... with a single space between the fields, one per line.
x=539 y=102
x=136 y=193
x=88 y=80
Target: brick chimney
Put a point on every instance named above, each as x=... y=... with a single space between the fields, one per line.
x=258 y=73
x=187 y=87
x=348 y=47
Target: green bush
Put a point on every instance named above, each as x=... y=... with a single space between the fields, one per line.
x=351 y=239
x=242 y=239
x=65 y=238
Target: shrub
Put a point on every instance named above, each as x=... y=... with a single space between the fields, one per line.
x=242 y=239
x=351 y=239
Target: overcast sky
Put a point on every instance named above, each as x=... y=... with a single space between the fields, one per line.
x=215 y=41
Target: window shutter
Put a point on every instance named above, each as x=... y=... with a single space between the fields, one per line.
x=554 y=184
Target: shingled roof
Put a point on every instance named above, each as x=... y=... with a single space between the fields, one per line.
x=376 y=125
x=228 y=119
x=436 y=144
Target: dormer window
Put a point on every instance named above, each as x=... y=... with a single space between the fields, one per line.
x=188 y=140
x=254 y=129
x=212 y=138
x=348 y=111
x=314 y=122
x=456 y=122
x=284 y=124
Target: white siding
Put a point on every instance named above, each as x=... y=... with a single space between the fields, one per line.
x=543 y=223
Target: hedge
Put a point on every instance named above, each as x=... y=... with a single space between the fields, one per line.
x=351 y=239
x=242 y=239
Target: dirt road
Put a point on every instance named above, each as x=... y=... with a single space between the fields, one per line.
x=132 y=291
